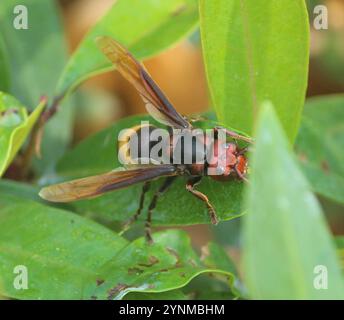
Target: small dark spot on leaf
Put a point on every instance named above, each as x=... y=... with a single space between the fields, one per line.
x=94 y=298
x=152 y=261
x=163 y=270
x=72 y=221
x=174 y=253
x=192 y=262
x=135 y=271
x=182 y=274
x=303 y=158
x=117 y=289
x=180 y=9
x=325 y=166
x=100 y=282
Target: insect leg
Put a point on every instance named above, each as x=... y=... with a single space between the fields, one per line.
x=240 y=175
x=243 y=151
x=235 y=135
x=132 y=219
x=190 y=186
x=148 y=226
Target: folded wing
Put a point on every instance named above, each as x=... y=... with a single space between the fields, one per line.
x=96 y=185
x=156 y=103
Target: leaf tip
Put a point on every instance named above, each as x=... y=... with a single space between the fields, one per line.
x=43 y=100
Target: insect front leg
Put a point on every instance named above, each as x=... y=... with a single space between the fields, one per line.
x=131 y=220
x=190 y=186
x=240 y=175
x=234 y=135
x=148 y=226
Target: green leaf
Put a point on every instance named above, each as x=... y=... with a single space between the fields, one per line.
x=20 y=189
x=144 y=27
x=69 y=257
x=4 y=67
x=320 y=145
x=285 y=233
x=98 y=154
x=167 y=295
x=170 y=263
x=255 y=51
x=60 y=250
x=204 y=287
x=36 y=53
x=340 y=249
x=15 y=126
x=37 y=56
x=26 y=191
x=340 y=243
x=207 y=287
x=214 y=255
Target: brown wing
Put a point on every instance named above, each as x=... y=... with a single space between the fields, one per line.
x=157 y=104
x=96 y=185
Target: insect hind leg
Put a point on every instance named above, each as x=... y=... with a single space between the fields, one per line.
x=132 y=219
x=190 y=186
x=148 y=225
